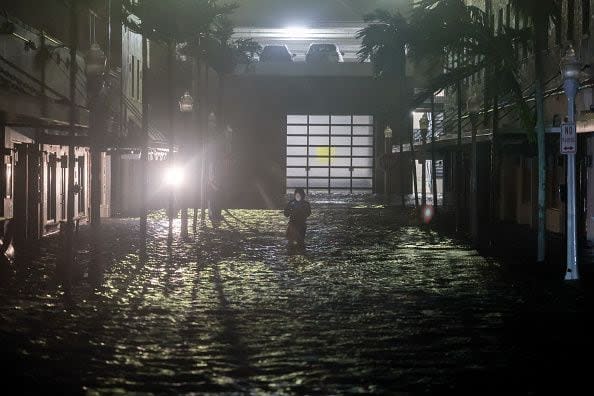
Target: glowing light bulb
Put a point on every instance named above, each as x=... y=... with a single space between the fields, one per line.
x=174 y=176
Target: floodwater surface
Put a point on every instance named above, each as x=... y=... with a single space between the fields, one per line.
x=373 y=305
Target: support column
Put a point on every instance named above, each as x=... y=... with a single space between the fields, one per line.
x=19 y=198
x=474 y=183
x=457 y=174
x=94 y=85
x=96 y=172
x=33 y=192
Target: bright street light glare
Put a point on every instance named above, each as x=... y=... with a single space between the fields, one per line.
x=296 y=32
x=174 y=176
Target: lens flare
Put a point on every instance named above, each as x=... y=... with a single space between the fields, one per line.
x=427 y=213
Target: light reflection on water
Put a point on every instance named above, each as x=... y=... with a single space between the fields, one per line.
x=373 y=305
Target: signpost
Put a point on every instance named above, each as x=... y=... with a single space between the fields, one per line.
x=568 y=138
x=570 y=71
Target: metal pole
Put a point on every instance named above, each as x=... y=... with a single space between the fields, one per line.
x=402 y=175
x=414 y=164
x=204 y=123
x=571 y=86
x=170 y=101
x=433 y=173
x=388 y=152
x=183 y=199
x=195 y=137
x=424 y=169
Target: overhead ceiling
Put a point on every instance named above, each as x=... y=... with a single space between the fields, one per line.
x=309 y=13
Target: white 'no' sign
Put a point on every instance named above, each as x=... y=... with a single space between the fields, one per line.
x=568 y=138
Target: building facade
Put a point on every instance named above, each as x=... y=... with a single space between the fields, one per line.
x=35 y=110
x=507 y=175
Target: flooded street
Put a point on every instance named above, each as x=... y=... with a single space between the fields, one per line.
x=374 y=305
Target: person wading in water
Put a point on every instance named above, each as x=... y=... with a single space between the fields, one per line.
x=297 y=210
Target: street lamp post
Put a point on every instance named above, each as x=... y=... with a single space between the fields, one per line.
x=186 y=107
x=96 y=65
x=570 y=72
x=433 y=167
x=413 y=162
x=96 y=62
x=424 y=126
x=387 y=151
x=474 y=108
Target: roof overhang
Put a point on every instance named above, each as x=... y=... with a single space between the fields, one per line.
x=28 y=111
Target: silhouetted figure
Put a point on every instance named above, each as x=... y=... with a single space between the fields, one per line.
x=297 y=210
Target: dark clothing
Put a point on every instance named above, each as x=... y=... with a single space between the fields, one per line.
x=297 y=212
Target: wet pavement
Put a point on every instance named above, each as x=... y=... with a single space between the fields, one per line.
x=374 y=305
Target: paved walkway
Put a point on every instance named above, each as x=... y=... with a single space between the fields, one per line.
x=374 y=306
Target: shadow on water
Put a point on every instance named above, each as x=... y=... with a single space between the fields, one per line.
x=237 y=353
x=238 y=220
x=169 y=267
x=96 y=262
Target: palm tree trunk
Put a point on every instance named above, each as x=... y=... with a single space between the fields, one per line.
x=540 y=135
x=458 y=162
x=495 y=168
x=145 y=139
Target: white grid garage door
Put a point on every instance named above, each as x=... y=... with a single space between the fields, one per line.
x=330 y=153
